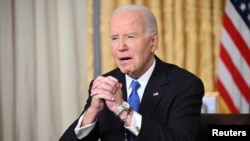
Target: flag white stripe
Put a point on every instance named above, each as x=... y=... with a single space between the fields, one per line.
x=238 y=60
x=227 y=81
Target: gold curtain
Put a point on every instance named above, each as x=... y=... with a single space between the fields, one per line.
x=189 y=33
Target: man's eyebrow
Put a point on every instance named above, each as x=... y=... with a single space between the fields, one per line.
x=114 y=35
x=131 y=34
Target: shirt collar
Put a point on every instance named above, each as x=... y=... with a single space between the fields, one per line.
x=143 y=80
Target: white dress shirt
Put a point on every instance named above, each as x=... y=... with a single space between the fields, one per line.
x=82 y=132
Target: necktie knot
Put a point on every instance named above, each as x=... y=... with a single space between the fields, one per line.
x=135 y=85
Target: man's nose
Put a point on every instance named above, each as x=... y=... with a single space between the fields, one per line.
x=122 y=45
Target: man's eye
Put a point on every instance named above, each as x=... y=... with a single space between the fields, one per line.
x=130 y=36
x=114 y=38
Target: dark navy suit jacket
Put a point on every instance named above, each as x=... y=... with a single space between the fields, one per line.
x=173 y=114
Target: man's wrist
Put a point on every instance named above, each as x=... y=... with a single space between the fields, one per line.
x=89 y=117
x=124 y=107
x=124 y=115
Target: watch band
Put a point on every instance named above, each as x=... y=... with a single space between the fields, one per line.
x=121 y=108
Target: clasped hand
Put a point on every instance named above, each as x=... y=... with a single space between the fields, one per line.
x=106 y=91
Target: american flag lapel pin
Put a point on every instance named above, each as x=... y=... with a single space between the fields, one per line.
x=155 y=94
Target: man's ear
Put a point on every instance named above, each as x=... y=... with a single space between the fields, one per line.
x=154 y=41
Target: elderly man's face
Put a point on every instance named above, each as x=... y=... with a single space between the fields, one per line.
x=131 y=47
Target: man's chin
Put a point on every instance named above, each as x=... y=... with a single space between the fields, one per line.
x=124 y=71
x=129 y=73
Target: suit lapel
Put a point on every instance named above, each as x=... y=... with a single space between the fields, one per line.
x=153 y=91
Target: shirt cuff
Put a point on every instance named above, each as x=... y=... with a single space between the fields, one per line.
x=82 y=132
x=136 y=124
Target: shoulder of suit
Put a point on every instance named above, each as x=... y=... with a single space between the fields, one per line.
x=113 y=72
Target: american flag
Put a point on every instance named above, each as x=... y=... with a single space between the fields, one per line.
x=233 y=81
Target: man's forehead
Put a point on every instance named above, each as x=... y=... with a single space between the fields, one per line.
x=127 y=18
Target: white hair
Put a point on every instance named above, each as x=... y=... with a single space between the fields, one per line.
x=148 y=16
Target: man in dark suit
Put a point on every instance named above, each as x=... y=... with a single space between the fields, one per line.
x=169 y=97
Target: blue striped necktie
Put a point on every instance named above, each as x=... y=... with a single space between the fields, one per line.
x=134 y=100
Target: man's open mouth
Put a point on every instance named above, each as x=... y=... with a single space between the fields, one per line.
x=125 y=58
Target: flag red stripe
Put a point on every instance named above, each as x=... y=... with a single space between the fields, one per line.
x=224 y=93
x=238 y=80
x=236 y=37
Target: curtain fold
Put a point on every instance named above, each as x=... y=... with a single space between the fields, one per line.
x=205 y=42
x=90 y=49
x=179 y=20
x=107 y=60
x=25 y=70
x=43 y=75
x=7 y=97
